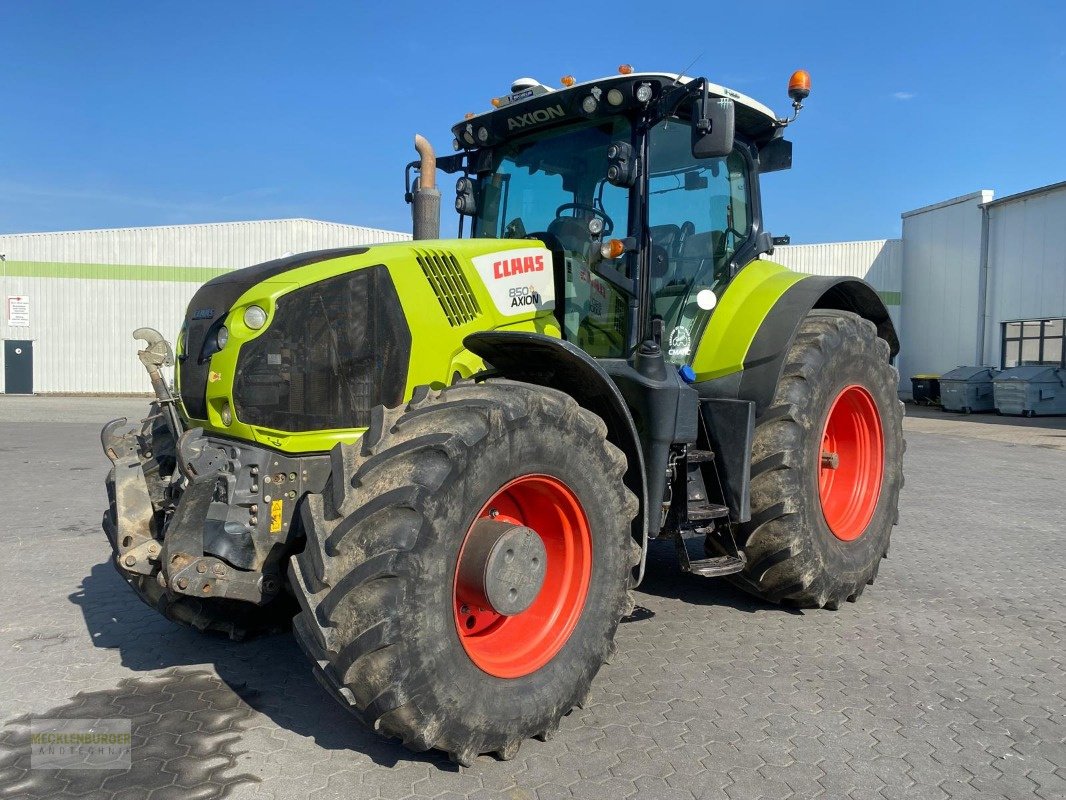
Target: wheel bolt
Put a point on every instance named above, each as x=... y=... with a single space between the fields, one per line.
x=131 y=560
x=201 y=567
x=183 y=583
x=830 y=460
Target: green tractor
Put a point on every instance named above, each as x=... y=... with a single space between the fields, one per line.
x=443 y=461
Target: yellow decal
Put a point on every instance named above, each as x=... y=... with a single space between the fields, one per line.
x=275 y=516
x=214 y=377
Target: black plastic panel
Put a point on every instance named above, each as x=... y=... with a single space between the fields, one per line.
x=334 y=350
x=210 y=305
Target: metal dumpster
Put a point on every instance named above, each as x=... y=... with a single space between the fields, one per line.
x=1028 y=391
x=967 y=389
x=925 y=389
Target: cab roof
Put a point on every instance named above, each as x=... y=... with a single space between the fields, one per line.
x=540 y=106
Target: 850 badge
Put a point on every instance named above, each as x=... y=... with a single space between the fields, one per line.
x=519 y=281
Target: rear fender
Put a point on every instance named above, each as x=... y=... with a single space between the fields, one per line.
x=765 y=355
x=547 y=361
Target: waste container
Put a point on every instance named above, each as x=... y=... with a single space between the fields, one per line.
x=967 y=389
x=1028 y=391
x=925 y=389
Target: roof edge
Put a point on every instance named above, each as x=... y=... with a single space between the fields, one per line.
x=982 y=195
x=199 y=225
x=1051 y=187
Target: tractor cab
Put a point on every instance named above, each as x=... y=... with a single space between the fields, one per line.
x=643 y=185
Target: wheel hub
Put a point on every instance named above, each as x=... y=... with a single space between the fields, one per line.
x=502 y=567
x=522 y=576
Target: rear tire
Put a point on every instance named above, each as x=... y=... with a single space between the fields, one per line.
x=810 y=542
x=377 y=579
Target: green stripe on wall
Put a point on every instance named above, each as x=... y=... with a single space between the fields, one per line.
x=108 y=272
x=124 y=272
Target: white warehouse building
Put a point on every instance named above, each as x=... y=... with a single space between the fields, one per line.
x=971 y=281
x=73 y=299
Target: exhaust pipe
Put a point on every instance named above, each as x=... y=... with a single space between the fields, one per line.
x=425 y=200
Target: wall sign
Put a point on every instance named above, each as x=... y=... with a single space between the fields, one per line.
x=18 y=311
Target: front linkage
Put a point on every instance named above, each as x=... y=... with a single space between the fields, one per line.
x=203 y=517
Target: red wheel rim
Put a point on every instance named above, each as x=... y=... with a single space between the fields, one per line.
x=851 y=463
x=513 y=646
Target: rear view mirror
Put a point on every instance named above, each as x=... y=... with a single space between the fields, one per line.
x=713 y=127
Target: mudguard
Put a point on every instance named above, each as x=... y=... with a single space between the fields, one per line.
x=772 y=335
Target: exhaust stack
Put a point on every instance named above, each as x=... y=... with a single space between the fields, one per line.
x=425 y=200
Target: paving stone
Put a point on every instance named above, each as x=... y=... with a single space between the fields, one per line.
x=945 y=680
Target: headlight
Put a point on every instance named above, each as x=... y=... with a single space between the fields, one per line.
x=222 y=337
x=615 y=97
x=255 y=317
x=644 y=92
x=226 y=414
x=589 y=104
x=483 y=134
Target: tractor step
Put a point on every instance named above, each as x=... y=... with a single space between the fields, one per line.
x=699 y=513
x=716 y=567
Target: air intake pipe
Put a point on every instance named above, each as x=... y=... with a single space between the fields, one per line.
x=425 y=199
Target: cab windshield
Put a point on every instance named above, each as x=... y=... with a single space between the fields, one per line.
x=554 y=183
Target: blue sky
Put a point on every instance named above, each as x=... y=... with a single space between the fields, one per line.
x=131 y=113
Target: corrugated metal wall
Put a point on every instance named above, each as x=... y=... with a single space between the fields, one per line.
x=1027 y=262
x=941 y=285
x=88 y=290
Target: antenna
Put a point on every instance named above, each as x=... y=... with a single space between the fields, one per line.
x=682 y=72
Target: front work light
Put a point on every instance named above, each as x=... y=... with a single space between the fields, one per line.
x=221 y=337
x=255 y=317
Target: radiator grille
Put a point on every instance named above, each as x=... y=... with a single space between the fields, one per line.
x=334 y=351
x=453 y=291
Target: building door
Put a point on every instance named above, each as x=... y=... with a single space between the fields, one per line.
x=18 y=366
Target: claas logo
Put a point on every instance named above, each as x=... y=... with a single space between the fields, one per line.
x=517 y=266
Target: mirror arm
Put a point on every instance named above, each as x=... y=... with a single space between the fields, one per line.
x=703 y=124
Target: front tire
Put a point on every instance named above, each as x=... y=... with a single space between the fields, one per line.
x=827 y=467
x=385 y=615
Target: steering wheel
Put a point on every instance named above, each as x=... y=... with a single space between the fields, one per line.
x=608 y=223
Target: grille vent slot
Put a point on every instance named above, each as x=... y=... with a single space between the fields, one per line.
x=453 y=291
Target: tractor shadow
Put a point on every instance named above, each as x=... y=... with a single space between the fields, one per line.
x=664 y=579
x=269 y=675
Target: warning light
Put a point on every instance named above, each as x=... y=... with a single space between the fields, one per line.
x=496 y=102
x=612 y=248
x=567 y=80
x=625 y=69
x=468 y=115
x=799 y=85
